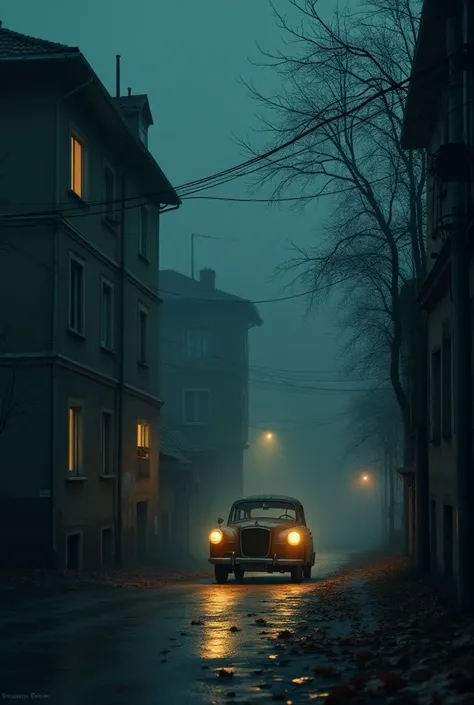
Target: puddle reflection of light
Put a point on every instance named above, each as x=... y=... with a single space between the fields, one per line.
x=217 y=639
x=315 y=696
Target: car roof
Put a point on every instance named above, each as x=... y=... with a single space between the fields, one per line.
x=268 y=498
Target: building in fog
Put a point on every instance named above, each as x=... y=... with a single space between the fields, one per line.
x=204 y=386
x=79 y=312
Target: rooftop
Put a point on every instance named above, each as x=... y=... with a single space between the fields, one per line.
x=13 y=44
x=177 y=287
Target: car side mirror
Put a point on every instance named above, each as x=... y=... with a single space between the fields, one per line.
x=220 y=521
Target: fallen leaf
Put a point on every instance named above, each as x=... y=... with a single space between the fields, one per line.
x=285 y=634
x=197 y=623
x=225 y=673
x=235 y=629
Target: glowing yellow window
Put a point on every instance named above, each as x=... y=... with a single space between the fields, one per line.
x=143 y=435
x=77 y=166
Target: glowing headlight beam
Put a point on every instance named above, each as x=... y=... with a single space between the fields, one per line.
x=216 y=536
x=294 y=538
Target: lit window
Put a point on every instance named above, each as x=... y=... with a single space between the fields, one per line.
x=75 y=440
x=77 y=166
x=196 y=406
x=107 y=323
x=197 y=343
x=142 y=335
x=106 y=443
x=143 y=233
x=143 y=434
x=76 y=296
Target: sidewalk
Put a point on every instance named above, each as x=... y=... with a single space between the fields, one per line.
x=46 y=583
x=376 y=634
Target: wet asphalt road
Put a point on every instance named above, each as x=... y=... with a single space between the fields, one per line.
x=139 y=647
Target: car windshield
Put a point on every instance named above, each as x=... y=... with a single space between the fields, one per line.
x=273 y=509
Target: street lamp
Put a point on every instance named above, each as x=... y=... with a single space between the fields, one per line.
x=269 y=436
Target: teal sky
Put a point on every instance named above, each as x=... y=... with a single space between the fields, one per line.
x=188 y=57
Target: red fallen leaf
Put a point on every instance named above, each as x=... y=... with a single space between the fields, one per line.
x=260 y=620
x=340 y=695
x=225 y=673
x=363 y=658
x=392 y=682
x=326 y=671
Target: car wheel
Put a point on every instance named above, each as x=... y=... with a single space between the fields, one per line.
x=239 y=575
x=307 y=572
x=221 y=573
x=297 y=574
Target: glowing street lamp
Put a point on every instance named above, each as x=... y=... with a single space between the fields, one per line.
x=269 y=436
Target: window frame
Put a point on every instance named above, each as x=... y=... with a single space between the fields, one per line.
x=75 y=260
x=143 y=312
x=107 y=413
x=206 y=354
x=143 y=451
x=76 y=404
x=75 y=136
x=193 y=390
x=144 y=234
x=107 y=284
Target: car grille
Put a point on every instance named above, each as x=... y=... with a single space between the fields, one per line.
x=255 y=543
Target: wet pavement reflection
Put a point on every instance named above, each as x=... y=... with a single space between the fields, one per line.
x=189 y=643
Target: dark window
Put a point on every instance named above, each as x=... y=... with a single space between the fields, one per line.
x=142 y=336
x=447 y=387
x=436 y=396
x=76 y=296
x=196 y=406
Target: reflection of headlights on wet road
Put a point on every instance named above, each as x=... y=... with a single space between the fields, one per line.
x=215 y=536
x=294 y=538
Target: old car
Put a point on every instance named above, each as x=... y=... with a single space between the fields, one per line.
x=264 y=533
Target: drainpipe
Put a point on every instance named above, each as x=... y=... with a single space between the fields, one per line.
x=54 y=319
x=120 y=386
x=460 y=291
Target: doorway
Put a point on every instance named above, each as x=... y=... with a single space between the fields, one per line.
x=448 y=535
x=141 y=529
x=73 y=552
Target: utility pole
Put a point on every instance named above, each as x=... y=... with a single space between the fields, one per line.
x=456 y=167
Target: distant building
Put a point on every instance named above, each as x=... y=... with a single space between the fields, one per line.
x=204 y=385
x=79 y=312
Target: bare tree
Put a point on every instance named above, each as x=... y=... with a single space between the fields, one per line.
x=373 y=240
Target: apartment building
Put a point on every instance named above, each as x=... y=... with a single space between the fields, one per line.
x=79 y=215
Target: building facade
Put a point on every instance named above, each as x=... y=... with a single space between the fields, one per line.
x=204 y=384
x=430 y=124
x=79 y=215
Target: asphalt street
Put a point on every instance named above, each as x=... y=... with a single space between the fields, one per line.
x=153 y=646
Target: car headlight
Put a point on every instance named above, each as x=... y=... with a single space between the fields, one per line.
x=294 y=538
x=216 y=536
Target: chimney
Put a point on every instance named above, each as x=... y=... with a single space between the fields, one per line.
x=207 y=277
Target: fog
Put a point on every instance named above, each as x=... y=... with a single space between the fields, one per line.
x=189 y=58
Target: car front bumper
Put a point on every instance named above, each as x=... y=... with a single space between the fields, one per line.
x=258 y=564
